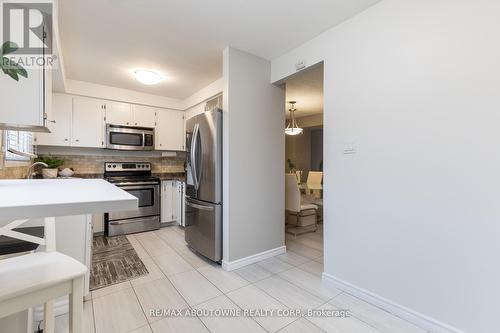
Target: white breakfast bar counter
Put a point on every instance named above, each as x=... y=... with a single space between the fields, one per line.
x=71 y=202
x=32 y=198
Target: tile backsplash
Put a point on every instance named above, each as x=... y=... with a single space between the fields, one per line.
x=86 y=164
x=13 y=172
x=91 y=161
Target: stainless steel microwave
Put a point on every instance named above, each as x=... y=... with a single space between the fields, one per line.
x=129 y=138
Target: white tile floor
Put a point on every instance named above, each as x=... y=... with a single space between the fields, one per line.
x=180 y=279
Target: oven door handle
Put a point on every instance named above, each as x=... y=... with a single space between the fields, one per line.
x=143 y=139
x=120 y=222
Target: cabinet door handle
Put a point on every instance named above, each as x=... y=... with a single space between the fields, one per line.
x=77 y=140
x=128 y=123
x=65 y=139
x=136 y=123
x=51 y=121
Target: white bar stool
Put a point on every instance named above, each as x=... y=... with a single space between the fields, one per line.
x=36 y=278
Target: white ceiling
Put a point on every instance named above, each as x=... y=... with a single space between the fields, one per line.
x=306 y=88
x=104 y=40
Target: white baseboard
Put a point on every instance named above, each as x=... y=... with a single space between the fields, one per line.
x=232 y=265
x=421 y=320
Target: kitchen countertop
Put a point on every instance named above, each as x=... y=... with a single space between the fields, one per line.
x=170 y=176
x=76 y=175
x=163 y=175
x=89 y=175
x=33 y=198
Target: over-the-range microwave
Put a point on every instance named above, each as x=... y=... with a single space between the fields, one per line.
x=129 y=138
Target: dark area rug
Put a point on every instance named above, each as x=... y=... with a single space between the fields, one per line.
x=114 y=260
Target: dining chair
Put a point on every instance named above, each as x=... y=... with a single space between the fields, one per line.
x=314 y=182
x=298 y=174
x=39 y=278
x=299 y=214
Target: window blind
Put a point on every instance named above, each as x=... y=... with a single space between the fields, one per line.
x=21 y=141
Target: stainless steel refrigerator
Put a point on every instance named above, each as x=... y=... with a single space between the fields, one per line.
x=203 y=210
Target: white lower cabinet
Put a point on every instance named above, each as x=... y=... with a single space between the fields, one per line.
x=98 y=223
x=73 y=238
x=167 y=201
x=172 y=194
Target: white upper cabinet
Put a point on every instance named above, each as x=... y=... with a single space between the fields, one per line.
x=118 y=113
x=129 y=114
x=88 y=122
x=143 y=116
x=58 y=122
x=80 y=122
x=170 y=131
x=24 y=103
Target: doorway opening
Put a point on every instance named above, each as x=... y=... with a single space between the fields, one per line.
x=304 y=165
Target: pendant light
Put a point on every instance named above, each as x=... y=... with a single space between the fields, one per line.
x=293 y=128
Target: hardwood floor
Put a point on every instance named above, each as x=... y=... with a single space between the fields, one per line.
x=180 y=279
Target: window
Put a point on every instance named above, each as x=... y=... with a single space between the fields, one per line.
x=21 y=141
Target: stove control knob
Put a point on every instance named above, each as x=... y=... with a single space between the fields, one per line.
x=114 y=165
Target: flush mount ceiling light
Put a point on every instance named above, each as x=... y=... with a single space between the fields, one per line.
x=148 y=77
x=293 y=128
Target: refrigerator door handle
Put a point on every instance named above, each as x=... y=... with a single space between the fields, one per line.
x=193 y=156
x=199 y=152
x=209 y=208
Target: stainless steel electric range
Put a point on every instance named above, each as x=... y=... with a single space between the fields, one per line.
x=136 y=179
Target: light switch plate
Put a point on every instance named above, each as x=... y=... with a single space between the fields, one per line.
x=350 y=148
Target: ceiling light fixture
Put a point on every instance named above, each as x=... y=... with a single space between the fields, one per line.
x=148 y=77
x=293 y=128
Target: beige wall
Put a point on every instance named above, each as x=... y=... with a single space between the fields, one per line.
x=254 y=183
x=310 y=121
x=411 y=219
x=298 y=150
